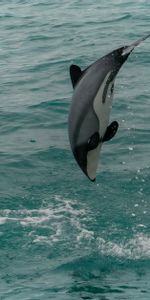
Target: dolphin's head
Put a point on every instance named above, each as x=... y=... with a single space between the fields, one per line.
x=86 y=155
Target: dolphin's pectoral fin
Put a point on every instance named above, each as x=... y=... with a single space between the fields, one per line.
x=75 y=74
x=110 y=131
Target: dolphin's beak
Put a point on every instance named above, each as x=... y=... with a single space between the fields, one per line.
x=80 y=154
x=128 y=49
x=87 y=160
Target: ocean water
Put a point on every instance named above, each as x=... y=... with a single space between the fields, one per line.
x=61 y=236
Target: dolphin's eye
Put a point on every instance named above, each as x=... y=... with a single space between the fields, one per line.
x=93 y=141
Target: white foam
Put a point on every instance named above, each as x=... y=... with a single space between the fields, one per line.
x=136 y=248
x=85 y=234
x=66 y=220
x=60 y=215
x=3 y=220
x=38 y=216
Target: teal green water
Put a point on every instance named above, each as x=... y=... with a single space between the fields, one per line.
x=61 y=236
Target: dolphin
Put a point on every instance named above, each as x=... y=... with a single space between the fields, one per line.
x=88 y=123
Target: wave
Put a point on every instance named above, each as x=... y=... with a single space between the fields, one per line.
x=67 y=220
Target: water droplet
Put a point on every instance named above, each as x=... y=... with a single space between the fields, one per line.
x=130 y=148
x=141 y=225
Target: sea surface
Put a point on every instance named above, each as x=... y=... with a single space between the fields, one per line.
x=63 y=237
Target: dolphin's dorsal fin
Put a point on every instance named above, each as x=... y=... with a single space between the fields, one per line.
x=110 y=131
x=75 y=74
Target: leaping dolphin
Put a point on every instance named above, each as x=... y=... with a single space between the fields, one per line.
x=91 y=105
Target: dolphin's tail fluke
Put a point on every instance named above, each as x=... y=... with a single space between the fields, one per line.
x=129 y=49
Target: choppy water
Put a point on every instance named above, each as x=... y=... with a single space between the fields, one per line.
x=62 y=237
